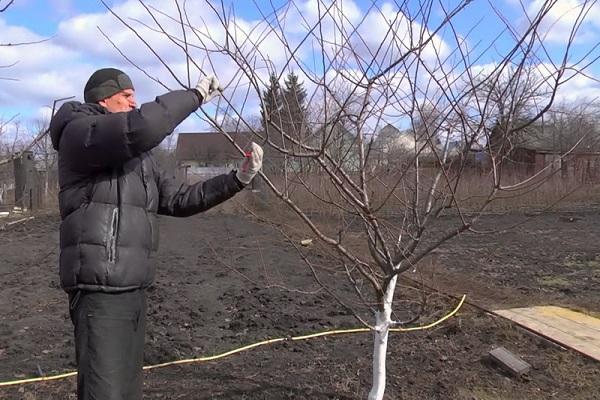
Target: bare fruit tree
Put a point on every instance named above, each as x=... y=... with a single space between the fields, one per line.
x=450 y=97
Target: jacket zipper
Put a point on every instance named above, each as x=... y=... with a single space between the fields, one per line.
x=143 y=173
x=112 y=239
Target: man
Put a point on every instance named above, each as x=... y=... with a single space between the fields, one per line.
x=111 y=191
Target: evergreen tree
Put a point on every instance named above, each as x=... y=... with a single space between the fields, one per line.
x=270 y=118
x=294 y=108
x=284 y=108
x=272 y=100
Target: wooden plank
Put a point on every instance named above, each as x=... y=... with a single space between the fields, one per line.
x=572 y=329
x=3 y=227
x=509 y=361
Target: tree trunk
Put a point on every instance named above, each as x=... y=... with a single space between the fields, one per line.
x=383 y=322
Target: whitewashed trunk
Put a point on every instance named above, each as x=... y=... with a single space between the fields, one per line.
x=383 y=322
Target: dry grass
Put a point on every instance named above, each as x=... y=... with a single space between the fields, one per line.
x=317 y=195
x=542 y=193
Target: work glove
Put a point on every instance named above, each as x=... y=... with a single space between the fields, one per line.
x=208 y=87
x=252 y=164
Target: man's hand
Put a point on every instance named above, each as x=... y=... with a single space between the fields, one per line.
x=251 y=165
x=208 y=87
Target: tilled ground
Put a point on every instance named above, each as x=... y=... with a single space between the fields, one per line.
x=553 y=258
x=226 y=281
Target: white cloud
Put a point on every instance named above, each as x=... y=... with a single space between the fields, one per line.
x=579 y=89
x=28 y=56
x=44 y=113
x=563 y=16
x=42 y=71
x=61 y=66
x=83 y=33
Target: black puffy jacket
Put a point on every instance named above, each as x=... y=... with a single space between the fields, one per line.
x=111 y=190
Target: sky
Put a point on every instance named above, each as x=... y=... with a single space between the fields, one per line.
x=72 y=46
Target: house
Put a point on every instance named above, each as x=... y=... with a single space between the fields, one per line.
x=393 y=146
x=549 y=152
x=340 y=143
x=202 y=155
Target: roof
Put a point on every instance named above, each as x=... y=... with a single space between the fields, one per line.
x=548 y=140
x=537 y=140
x=209 y=146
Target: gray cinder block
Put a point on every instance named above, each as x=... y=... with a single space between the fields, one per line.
x=509 y=361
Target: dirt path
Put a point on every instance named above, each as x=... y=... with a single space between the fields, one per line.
x=225 y=281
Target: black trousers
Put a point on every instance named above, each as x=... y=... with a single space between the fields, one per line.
x=109 y=343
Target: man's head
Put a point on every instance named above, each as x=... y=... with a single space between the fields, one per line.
x=112 y=89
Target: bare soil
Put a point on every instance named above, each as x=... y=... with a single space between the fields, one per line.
x=225 y=281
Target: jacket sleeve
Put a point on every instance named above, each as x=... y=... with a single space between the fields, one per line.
x=182 y=200
x=96 y=142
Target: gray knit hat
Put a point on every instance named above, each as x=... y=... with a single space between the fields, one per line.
x=104 y=83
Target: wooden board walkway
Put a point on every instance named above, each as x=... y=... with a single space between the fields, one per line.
x=572 y=329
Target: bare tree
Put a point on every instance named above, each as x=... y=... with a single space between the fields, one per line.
x=16 y=144
x=390 y=62
x=12 y=141
x=565 y=125
x=45 y=155
x=4 y=133
x=513 y=95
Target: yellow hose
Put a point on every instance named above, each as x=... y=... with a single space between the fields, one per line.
x=251 y=346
